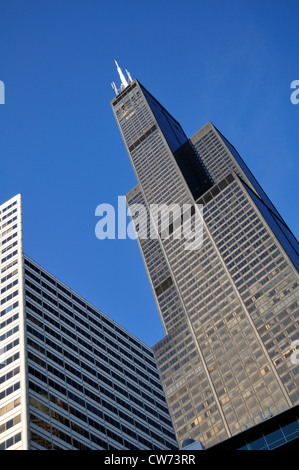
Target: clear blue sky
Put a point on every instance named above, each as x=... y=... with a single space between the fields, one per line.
x=229 y=62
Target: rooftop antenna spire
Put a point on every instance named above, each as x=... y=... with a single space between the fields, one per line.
x=114 y=88
x=122 y=77
x=130 y=78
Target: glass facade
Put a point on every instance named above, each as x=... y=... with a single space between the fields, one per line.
x=229 y=309
x=278 y=432
x=71 y=378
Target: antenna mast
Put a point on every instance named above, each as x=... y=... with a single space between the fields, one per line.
x=124 y=82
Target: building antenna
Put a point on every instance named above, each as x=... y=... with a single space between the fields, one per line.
x=130 y=78
x=122 y=77
x=114 y=88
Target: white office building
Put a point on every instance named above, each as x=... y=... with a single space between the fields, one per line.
x=70 y=377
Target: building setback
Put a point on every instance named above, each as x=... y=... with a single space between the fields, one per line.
x=230 y=308
x=70 y=377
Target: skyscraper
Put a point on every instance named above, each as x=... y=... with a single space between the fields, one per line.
x=70 y=377
x=229 y=308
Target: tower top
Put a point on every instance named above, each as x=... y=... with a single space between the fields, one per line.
x=124 y=81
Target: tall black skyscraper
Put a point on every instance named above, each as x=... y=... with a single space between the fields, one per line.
x=230 y=307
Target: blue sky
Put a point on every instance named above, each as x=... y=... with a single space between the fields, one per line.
x=229 y=62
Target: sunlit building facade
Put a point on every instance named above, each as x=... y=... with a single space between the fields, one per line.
x=70 y=377
x=229 y=308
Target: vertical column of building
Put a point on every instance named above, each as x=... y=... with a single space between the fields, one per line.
x=220 y=158
x=13 y=415
x=215 y=362
x=151 y=148
x=259 y=250
x=168 y=302
x=184 y=376
x=266 y=283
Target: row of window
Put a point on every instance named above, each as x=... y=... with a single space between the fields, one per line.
x=8 y=223
x=95 y=314
x=9 y=297
x=9 y=375
x=8 y=266
x=7 y=208
x=84 y=379
x=10 y=406
x=6 y=258
x=87 y=405
x=96 y=370
x=11 y=237
x=8 y=309
x=9 y=320
x=8 y=276
x=11 y=441
x=43 y=442
x=10 y=229
x=92 y=345
x=9 y=247
x=10 y=423
x=9 y=333
x=13 y=388
x=78 y=321
x=121 y=96
x=80 y=387
x=9 y=286
x=90 y=422
x=79 y=445
x=9 y=346
x=9 y=360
